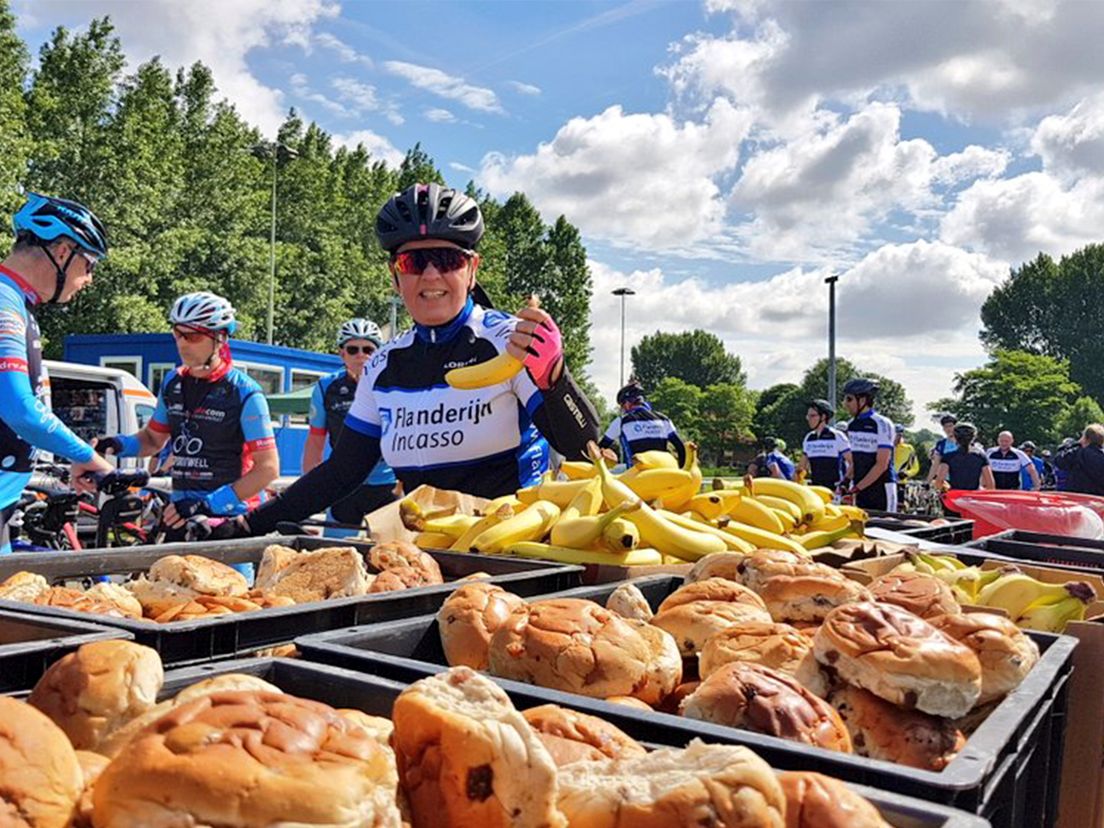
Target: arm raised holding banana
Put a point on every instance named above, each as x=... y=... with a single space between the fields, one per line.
x=469 y=399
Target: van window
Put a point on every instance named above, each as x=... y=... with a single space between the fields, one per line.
x=144 y=413
x=86 y=406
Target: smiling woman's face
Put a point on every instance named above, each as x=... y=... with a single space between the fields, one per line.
x=435 y=296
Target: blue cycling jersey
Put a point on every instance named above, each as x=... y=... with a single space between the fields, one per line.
x=330 y=402
x=26 y=423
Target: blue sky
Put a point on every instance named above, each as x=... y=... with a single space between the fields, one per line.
x=721 y=157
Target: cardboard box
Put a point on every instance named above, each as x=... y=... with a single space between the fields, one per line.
x=605 y=573
x=845 y=551
x=1081 y=804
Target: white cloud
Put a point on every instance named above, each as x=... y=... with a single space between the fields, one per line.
x=375 y=143
x=439 y=116
x=364 y=98
x=464 y=168
x=524 y=88
x=973 y=162
x=446 y=86
x=345 y=53
x=301 y=88
x=631 y=178
x=1072 y=145
x=219 y=33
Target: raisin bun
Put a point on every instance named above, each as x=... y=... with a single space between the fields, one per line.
x=469 y=617
x=1005 y=652
x=629 y=602
x=809 y=597
x=814 y=800
x=921 y=594
x=758 y=698
x=571 y=736
x=39 y=771
x=899 y=657
x=716 y=565
x=774 y=645
x=712 y=589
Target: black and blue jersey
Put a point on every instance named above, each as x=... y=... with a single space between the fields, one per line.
x=641 y=429
x=824 y=451
x=330 y=402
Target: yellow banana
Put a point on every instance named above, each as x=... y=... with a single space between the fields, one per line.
x=433 y=540
x=620 y=535
x=650 y=484
x=532 y=523
x=581 y=532
x=453 y=525
x=733 y=543
x=854 y=512
x=655 y=460
x=500 y=501
x=830 y=524
x=559 y=492
x=750 y=511
x=501 y=368
x=710 y=505
x=815 y=540
x=560 y=554
x=577 y=469
x=785 y=518
x=677 y=500
x=413 y=516
x=669 y=538
x=762 y=539
x=812 y=507
x=586 y=503
x=782 y=505
x=823 y=492
x=463 y=543
x=832 y=510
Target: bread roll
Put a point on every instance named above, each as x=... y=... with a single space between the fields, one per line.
x=695 y=623
x=629 y=701
x=40 y=777
x=468 y=759
x=243 y=759
x=98 y=689
x=880 y=730
x=398 y=554
x=672 y=703
x=629 y=602
x=766 y=563
x=809 y=597
x=78 y=601
x=778 y=646
x=817 y=801
x=91 y=765
x=712 y=589
x=921 y=594
x=203 y=575
x=399 y=577
x=758 y=698
x=274 y=559
x=335 y=572
x=121 y=597
x=721 y=786
x=899 y=657
x=377 y=727
x=716 y=565
x=573 y=645
x=23 y=586
x=469 y=617
x=1005 y=653
x=571 y=736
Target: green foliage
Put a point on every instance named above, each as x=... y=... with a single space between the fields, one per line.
x=696 y=357
x=1017 y=391
x=681 y=403
x=726 y=414
x=892 y=400
x=15 y=143
x=1082 y=412
x=780 y=412
x=1053 y=309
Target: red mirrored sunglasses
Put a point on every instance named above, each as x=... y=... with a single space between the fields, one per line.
x=443 y=259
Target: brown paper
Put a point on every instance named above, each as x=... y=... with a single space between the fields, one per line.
x=386 y=525
x=1081 y=804
x=608 y=573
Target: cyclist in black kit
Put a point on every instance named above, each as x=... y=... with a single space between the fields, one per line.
x=826 y=451
x=639 y=428
x=487 y=441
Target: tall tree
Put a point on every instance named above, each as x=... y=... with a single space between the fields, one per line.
x=567 y=289
x=1054 y=309
x=681 y=402
x=726 y=415
x=1082 y=412
x=15 y=140
x=780 y=412
x=1022 y=392
x=697 y=357
x=892 y=401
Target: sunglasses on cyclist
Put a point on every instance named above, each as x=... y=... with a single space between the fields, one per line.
x=190 y=336
x=90 y=262
x=353 y=350
x=443 y=259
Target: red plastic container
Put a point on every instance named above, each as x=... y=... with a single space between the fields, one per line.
x=1057 y=513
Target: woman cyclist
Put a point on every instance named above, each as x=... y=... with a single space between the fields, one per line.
x=486 y=441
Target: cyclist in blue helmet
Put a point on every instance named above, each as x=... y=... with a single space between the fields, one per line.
x=57 y=246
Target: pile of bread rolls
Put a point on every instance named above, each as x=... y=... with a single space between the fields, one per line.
x=187 y=587
x=92 y=748
x=770 y=642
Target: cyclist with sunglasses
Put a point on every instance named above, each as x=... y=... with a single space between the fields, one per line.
x=826 y=451
x=214 y=415
x=871 y=436
x=57 y=246
x=333 y=395
x=485 y=441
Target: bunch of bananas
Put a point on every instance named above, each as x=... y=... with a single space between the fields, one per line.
x=1032 y=604
x=654 y=512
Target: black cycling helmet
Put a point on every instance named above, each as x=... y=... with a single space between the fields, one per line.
x=1027 y=445
x=822 y=406
x=948 y=418
x=429 y=211
x=630 y=393
x=965 y=433
x=770 y=443
x=861 y=387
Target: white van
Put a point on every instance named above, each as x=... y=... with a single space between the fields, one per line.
x=94 y=401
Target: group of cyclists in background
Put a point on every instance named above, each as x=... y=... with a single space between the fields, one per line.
x=388 y=417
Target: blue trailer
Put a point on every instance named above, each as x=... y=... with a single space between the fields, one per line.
x=277 y=369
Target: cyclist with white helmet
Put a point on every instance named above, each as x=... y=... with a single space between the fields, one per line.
x=57 y=246
x=871 y=436
x=333 y=395
x=224 y=450
x=486 y=441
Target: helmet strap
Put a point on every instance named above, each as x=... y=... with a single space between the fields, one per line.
x=60 y=270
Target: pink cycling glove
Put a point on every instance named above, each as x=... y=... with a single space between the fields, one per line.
x=545 y=352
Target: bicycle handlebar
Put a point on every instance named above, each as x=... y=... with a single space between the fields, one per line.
x=118 y=481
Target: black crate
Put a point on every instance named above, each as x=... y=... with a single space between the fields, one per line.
x=1008 y=771
x=1063 y=551
x=956 y=530
x=31 y=643
x=242 y=633
x=349 y=689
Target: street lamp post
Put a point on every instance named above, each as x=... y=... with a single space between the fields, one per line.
x=623 y=292
x=273 y=149
x=831 y=282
